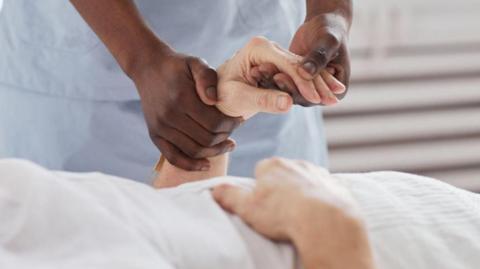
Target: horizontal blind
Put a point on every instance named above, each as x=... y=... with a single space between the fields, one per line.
x=414 y=102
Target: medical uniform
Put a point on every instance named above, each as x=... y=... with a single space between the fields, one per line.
x=66 y=104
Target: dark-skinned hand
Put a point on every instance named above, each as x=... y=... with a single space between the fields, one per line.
x=178 y=94
x=322 y=40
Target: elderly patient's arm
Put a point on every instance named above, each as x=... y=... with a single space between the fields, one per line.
x=298 y=202
x=239 y=96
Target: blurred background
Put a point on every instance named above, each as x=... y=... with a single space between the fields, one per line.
x=414 y=102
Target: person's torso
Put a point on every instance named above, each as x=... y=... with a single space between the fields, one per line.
x=47 y=46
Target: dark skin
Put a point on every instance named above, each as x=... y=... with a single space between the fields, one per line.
x=178 y=92
x=322 y=40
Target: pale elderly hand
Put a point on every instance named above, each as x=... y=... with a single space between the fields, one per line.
x=301 y=203
x=238 y=90
x=287 y=196
x=240 y=96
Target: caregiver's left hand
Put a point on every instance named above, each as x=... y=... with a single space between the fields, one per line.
x=322 y=40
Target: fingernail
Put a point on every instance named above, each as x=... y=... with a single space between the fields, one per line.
x=282 y=102
x=310 y=67
x=211 y=93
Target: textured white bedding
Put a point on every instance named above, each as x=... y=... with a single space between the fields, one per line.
x=62 y=220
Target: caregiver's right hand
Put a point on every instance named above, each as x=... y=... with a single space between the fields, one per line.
x=178 y=94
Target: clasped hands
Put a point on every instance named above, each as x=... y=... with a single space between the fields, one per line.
x=181 y=95
x=239 y=96
x=240 y=77
x=292 y=201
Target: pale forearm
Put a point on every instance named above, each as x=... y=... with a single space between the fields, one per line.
x=121 y=28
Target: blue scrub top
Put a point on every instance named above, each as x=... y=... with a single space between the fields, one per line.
x=74 y=109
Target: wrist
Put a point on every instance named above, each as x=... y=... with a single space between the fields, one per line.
x=172 y=176
x=324 y=236
x=136 y=58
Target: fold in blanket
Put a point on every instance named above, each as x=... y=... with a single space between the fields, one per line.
x=65 y=220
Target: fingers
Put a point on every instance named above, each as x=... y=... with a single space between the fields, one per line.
x=177 y=158
x=231 y=198
x=310 y=167
x=328 y=98
x=197 y=133
x=297 y=172
x=326 y=85
x=268 y=76
x=271 y=101
x=286 y=84
x=246 y=100
x=205 y=79
x=192 y=149
x=262 y=51
x=316 y=60
x=341 y=64
x=333 y=84
x=213 y=120
x=267 y=71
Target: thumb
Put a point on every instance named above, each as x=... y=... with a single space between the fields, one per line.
x=245 y=100
x=271 y=101
x=206 y=79
x=316 y=60
x=231 y=198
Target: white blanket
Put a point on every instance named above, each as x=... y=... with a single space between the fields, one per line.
x=62 y=220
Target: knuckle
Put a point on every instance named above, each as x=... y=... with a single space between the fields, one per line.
x=333 y=39
x=262 y=100
x=176 y=94
x=277 y=161
x=258 y=41
x=190 y=60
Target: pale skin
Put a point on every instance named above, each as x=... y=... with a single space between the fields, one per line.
x=300 y=203
x=178 y=92
x=293 y=201
x=239 y=97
